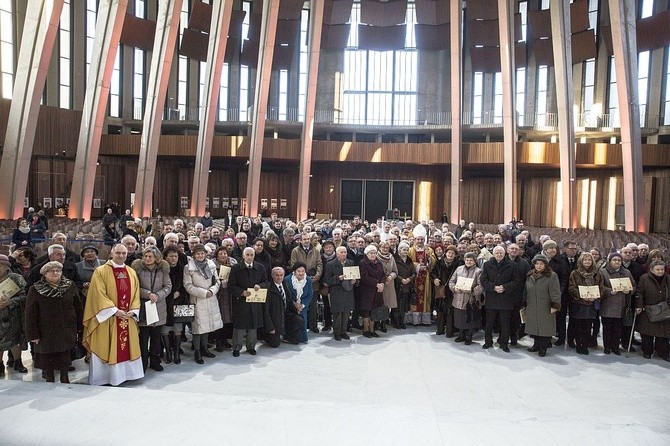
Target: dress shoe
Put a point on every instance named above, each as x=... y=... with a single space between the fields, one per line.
x=374 y=334
x=513 y=342
x=468 y=341
x=367 y=334
x=383 y=328
x=460 y=338
x=559 y=342
x=18 y=366
x=505 y=348
x=582 y=350
x=487 y=345
x=534 y=349
x=571 y=344
x=450 y=335
x=607 y=351
x=646 y=355
x=337 y=337
x=616 y=351
x=207 y=354
x=345 y=336
x=198 y=357
x=326 y=329
x=64 y=379
x=542 y=353
x=252 y=352
x=403 y=326
x=236 y=353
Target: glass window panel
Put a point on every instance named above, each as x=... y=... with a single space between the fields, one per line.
x=6 y=86
x=64 y=96
x=7 y=60
x=6 y=26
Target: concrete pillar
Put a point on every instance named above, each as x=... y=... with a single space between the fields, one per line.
x=39 y=34
x=506 y=29
x=162 y=56
x=314 y=50
x=107 y=33
x=263 y=73
x=562 y=46
x=218 y=37
x=455 y=31
x=624 y=41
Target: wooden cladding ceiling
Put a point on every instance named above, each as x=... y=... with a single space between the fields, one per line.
x=432 y=12
x=651 y=32
x=383 y=14
x=138 y=33
x=337 y=12
x=381 y=38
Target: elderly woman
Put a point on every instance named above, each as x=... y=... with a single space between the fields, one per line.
x=541 y=300
x=467 y=301
x=654 y=288
x=154 y=276
x=221 y=336
x=446 y=264
x=274 y=248
x=53 y=317
x=11 y=317
x=22 y=234
x=656 y=254
x=582 y=305
x=299 y=285
x=385 y=257
x=550 y=250
x=177 y=296
x=614 y=303
x=371 y=286
x=404 y=285
x=201 y=280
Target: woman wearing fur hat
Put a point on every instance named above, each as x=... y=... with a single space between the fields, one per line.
x=614 y=303
x=583 y=308
x=447 y=261
x=53 y=317
x=541 y=300
x=154 y=276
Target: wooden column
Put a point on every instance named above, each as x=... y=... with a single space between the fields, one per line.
x=39 y=34
x=315 y=27
x=561 y=36
x=263 y=73
x=455 y=30
x=107 y=33
x=624 y=41
x=162 y=55
x=506 y=29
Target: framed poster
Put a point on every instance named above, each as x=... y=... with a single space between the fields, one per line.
x=183 y=202
x=225 y=202
x=215 y=202
x=282 y=203
x=46 y=202
x=58 y=202
x=273 y=203
x=264 y=203
x=97 y=203
x=234 y=201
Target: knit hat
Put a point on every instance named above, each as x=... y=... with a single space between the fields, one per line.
x=614 y=254
x=451 y=248
x=87 y=247
x=540 y=258
x=49 y=266
x=4 y=260
x=198 y=247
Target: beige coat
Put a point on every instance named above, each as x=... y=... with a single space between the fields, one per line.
x=461 y=299
x=207 y=314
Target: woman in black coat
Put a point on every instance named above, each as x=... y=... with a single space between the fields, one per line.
x=404 y=285
x=371 y=287
x=653 y=288
x=53 y=317
x=446 y=264
x=22 y=234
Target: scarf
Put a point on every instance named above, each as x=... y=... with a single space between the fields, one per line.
x=328 y=258
x=203 y=267
x=24 y=230
x=588 y=275
x=382 y=257
x=47 y=290
x=298 y=286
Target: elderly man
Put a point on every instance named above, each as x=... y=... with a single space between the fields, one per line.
x=131 y=246
x=643 y=254
x=424 y=260
x=86 y=267
x=281 y=318
x=522 y=266
x=238 y=251
x=214 y=237
x=56 y=253
x=501 y=283
x=61 y=239
x=306 y=254
x=341 y=292
x=247 y=316
x=110 y=322
x=192 y=241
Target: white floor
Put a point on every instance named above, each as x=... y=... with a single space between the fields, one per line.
x=408 y=388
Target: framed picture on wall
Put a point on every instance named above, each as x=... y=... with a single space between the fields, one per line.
x=183 y=202
x=46 y=202
x=264 y=203
x=273 y=203
x=215 y=202
x=25 y=202
x=282 y=203
x=225 y=202
x=58 y=202
x=97 y=203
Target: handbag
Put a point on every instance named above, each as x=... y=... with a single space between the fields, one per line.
x=184 y=313
x=78 y=351
x=440 y=292
x=658 y=312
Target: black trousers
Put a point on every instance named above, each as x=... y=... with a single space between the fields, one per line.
x=541 y=342
x=150 y=344
x=561 y=317
x=651 y=343
x=612 y=330
x=582 y=331
x=504 y=317
x=327 y=314
x=272 y=339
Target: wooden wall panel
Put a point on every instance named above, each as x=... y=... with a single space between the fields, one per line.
x=483 y=200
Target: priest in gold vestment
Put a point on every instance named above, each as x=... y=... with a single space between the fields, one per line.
x=110 y=322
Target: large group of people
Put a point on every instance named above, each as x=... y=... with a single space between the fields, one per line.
x=234 y=283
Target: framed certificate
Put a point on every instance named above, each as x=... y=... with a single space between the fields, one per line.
x=224 y=272
x=351 y=272
x=258 y=297
x=621 y=285
x=464 y=283
x=589 y=292
x=8 y=289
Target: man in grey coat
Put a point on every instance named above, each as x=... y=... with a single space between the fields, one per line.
x=341 y=292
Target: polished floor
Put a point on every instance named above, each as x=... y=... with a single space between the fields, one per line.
x=409 y=387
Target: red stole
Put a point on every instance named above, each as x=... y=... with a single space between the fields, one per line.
x=422 y=259
x=122 y=303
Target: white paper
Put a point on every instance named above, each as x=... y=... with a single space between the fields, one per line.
x=152 y=312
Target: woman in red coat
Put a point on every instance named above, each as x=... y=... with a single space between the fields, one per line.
x=371 y=288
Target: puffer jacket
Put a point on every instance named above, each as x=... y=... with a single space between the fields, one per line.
x=156 y=281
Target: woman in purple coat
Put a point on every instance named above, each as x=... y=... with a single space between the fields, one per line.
x=371 y=288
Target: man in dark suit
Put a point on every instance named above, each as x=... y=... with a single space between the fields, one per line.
x=569 y=259
x=247 y=316
x=341 y=292
x=281 y=318
x=228 y=220
x=56 y=253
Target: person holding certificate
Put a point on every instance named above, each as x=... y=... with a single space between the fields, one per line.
x=618 y=290
x=341 y=292
x=467 y=301
x=154 y=275
x=371 y=285
x=585 y=288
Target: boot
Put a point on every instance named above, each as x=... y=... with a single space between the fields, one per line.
x=460 y=338
x=155 y=363
x=18 y=366
x=64 y=378
x=198 y=357
x=468 y=337
x=49 y=376
x=167 y=343
x=382 y=326
x=206 y=353
x=176 y=349
x=440 y=324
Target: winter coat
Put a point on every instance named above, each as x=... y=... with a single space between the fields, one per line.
x=246 y=315
x=11 y=317
x=207 y=314
x=156 y=281
x=341 y=293
x=390 y=299
x=614 y=304
x=461 y=299
x=405 y=270
x=581 y=308
x=53 y=315
x=312 y=261
x=540 y=295
x=371 y=275
x=18 y=237
x=650 y=292
x=502 y=273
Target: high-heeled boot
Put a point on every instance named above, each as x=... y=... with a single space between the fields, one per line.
x=18 y=366
x=167 y=343
x=176 y=349
x=441 y=322
x=64 y=377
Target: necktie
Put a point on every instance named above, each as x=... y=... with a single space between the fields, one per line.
x=281 y=293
